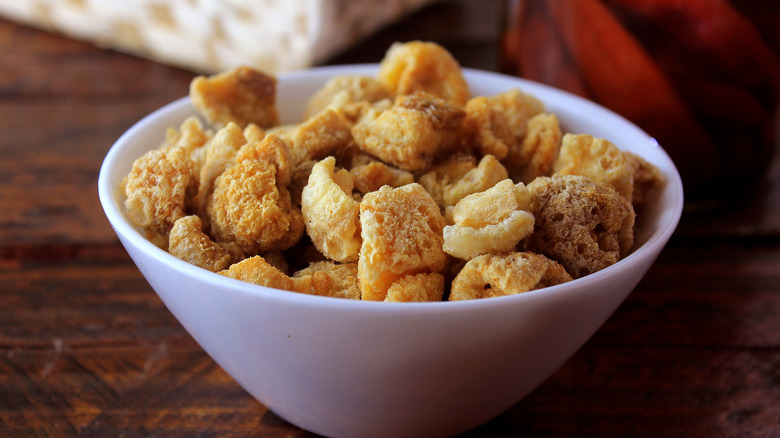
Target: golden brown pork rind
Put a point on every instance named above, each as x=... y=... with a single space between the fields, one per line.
x=270 y=149
x=331 y=215
x=535 y=154
x=256 y=270
x=647 y=178
x=188 y=242
x=322 y=135
x=489 y=222
x=459 y=176
x=340 y=279
x=420 y=288
x=375 y=174
x=248 y=208
x=402 y=235
x=495 y=275
x=159 y=189
x=423 y=66
x=348 y=95
x=583 y=225
x=410 y=134
x=598 y=159
x=486 y=129
x=220 y=154
x=518 y=108
x=241 y=95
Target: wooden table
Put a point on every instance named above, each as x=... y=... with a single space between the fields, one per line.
x=88 y=349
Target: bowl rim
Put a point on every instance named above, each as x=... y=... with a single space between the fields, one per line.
x=131 y=235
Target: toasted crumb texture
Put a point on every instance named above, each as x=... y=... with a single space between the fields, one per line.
x=495 y=275
x=242 y=95
x=583 y=225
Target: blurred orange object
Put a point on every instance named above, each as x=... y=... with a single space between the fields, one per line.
x=701 y=76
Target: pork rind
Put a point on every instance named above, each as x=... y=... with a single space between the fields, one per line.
x=191 y=136
x=489 y=222
x=518 y=108
x=270 y=149
x=375 y=174
x=583 y=225
x=495 y=275
x=256 y=270
x=220 y=154
x=598 y=159
x=248 y=208
x=241 y=95
x=647 y=177
x=188 y=242
x=535 y=154
x=410 y=134
x=159 y=190
x=402 y=235
x=458 y=177
x=348 y=95
x=331 y=215
x=418 y=288
x=340 y=280
x=487 y=129
x=318 y=137
x=423 y=66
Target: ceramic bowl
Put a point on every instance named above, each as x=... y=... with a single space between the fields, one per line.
x=355 y=369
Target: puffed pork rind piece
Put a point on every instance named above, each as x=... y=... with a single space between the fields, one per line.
x=487 y=129
x=458 y=177
x=338 y=280
x=423 y=66
x=535 y=154
x=411 y=133
x=489 y=222
x=402 y=235
x=598 y=159
x=518 y=108
x=583 y=225
x=160 y=189
x=495 y=275
x=331 y=215
x=322 y=135
x=257 y=270
x=647 y=178
x=248 y=208
x=348 y=95
x=419 y=288
x=375 y=174
x=188 y=242
x=241 y=95
x=220 y=154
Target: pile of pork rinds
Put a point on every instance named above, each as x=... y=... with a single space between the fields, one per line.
x=399 y=187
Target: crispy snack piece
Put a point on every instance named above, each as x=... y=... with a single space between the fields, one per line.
x=348 y=95
x=241 y=95
x=248 y=208
x=487 y=129
x=318 y=137
x=584 y=225
x=339 y=280
x=402 y=235
x=375 y=174
x=535 y=154
x=495 y=275
x=598 y=159
x=418 y=288
x=220 y=154
x=271 y=149
x=459 y=176
x=489 y=222
x=192 y=137
x=331 y=215
x=518 y=108
x=647 y=177
x=409 y=134
x=423 y=66
x=159 y=190
x=188 y=242
x=256 y=270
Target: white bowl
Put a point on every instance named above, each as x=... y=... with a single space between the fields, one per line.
x=351 y=368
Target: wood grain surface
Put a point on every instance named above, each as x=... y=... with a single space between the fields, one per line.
x=88 y=349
